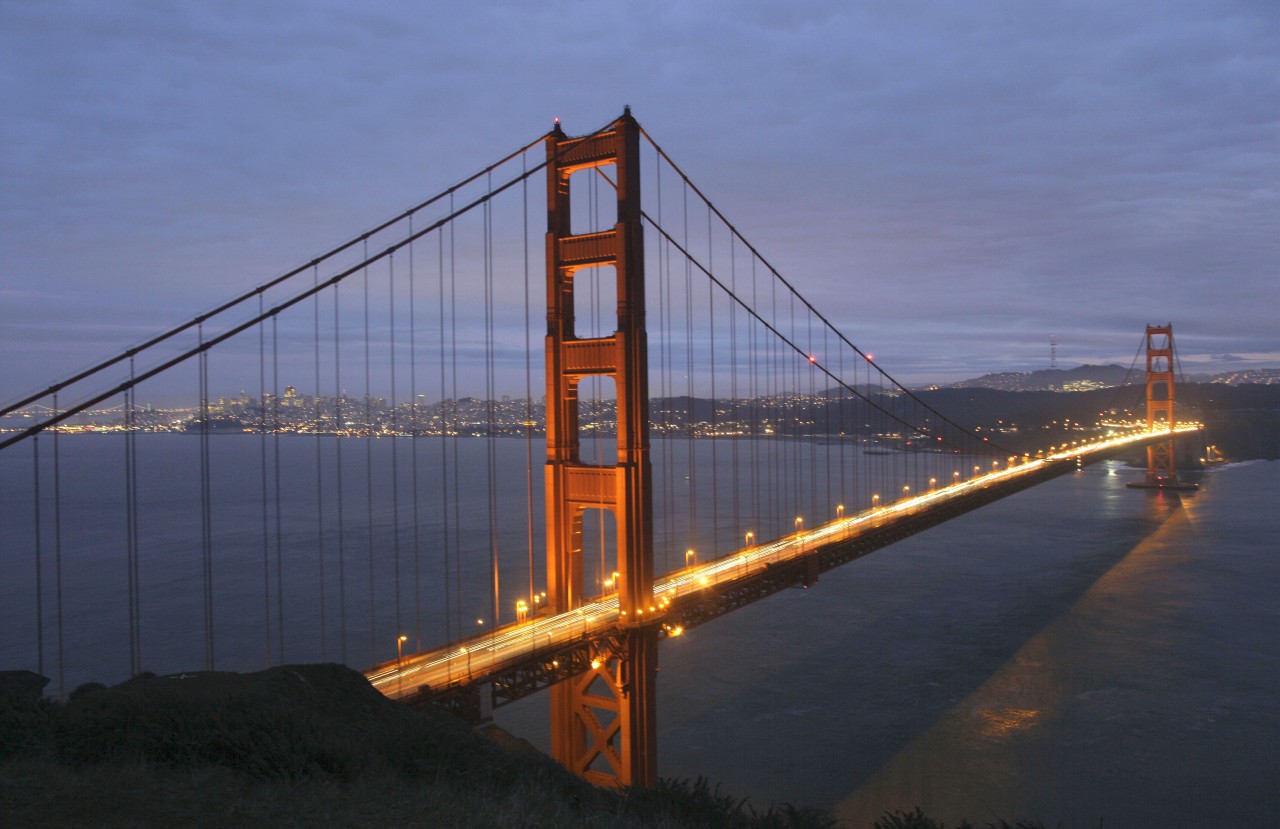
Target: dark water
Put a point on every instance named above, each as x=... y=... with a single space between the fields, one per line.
x=1080 y=653
x=404 y=546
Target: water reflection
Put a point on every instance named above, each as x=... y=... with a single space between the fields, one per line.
x=983 y=757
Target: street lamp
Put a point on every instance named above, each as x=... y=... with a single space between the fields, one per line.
x=875 y=501
x=839 y=511
x=400 y=640
x=689 y=557
x=933 y=482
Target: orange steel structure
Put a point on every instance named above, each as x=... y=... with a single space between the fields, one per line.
x=602 y=721
x=1161 y=457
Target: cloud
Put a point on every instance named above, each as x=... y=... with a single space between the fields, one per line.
x=938 y=177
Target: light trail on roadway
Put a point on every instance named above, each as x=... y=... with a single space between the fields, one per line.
x=483 y=656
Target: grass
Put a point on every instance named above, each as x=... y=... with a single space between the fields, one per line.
x=307 y=745
x=317 y=746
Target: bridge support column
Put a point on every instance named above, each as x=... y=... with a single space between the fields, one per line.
x=1162 y=464
x=602 y=723
x=1161 y=458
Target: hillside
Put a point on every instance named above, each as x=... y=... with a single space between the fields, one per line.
x=303 y=745
x=315 y=746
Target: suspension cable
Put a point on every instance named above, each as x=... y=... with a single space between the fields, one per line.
x=790 y=287
x=242 y=298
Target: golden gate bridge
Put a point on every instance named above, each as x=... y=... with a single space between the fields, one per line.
x=475 y=521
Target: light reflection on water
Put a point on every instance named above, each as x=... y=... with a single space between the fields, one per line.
x=1078 y=653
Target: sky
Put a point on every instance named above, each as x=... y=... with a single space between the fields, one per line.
x=953 y=183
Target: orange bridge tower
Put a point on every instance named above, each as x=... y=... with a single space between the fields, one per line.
x=1161 y=457
x=602 y=721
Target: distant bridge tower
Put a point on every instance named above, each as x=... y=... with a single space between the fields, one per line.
x=602 y=721
x=1161 y=457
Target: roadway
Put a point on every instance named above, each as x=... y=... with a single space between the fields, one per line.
x=483 y=657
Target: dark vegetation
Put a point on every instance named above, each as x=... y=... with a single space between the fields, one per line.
x=306 y=745
x=313 y=745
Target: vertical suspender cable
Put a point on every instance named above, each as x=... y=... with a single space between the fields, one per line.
x=826 y=428
x=664 y=377
x=777 y=493
x=262 y=467
x=733 y=386
x=753 y=391
x=453 y=378
x=692 y=466
x=813 y=406
x=340 y=432
x=131 y=505
x=490 y=392
x=368 y=467
x=275 y=446
x=794 y=444
x=711 y=349
x=57 y=554
x=395 y=466
x=319 y=432
x=841 y=425
x=413 y=446
x=445 y=425
x=206 y=504
x=39 y=554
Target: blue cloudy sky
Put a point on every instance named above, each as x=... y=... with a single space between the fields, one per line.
x=951 y=182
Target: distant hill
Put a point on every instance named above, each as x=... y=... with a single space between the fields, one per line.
x=1080 y=378
x=1261 y=376
x=1086 y=378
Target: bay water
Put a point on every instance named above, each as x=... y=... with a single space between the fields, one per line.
x=1080 y=653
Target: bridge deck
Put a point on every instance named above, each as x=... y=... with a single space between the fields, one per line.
x=523 y=657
